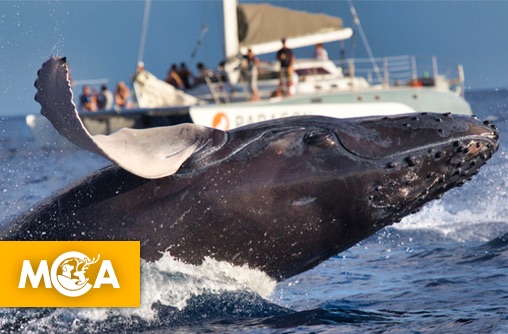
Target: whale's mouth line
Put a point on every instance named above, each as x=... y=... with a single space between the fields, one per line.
x=490 y=138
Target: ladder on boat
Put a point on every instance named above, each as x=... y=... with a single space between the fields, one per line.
x=217 y=88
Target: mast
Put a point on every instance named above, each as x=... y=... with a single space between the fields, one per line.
x=144 y=31
x=230 y=28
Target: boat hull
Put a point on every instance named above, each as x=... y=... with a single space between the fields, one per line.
x=372 y=102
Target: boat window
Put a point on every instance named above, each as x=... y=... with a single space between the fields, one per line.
x=311 y=71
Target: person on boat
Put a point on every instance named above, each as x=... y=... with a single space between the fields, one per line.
x=250 y=68
x=220 y=71
x=203 y=72
x=320 y=52
x=104 y=99
x=122 y=96
x=140 y=69
x=173 y=78
x=185 y=75
x=286 y=59
x=87 y=101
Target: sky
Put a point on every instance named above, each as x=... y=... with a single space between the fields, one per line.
x=101 y=39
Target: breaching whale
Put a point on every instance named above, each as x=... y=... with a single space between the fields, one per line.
x=281 y=196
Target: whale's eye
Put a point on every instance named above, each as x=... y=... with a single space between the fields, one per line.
x=319 y=138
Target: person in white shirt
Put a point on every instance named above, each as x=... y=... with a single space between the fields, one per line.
x=321 y=53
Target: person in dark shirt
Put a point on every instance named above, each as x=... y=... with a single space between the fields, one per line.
x=186 y=75
x=203 y=72
x=173 y=78
x=87 y=101
x=286 y=59
x=104 y=99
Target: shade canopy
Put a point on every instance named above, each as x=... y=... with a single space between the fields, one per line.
x=261 y=28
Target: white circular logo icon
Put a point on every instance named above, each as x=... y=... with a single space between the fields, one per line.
x=68 y=273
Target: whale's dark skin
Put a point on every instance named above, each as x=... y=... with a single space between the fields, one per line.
x=281 y=196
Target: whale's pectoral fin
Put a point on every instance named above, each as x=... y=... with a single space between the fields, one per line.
x=149 y=153
x=153 y=153
x=55 y=97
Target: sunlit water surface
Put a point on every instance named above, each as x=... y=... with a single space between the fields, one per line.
x=441 y=270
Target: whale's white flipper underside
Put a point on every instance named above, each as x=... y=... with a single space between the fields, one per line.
x=149 y=153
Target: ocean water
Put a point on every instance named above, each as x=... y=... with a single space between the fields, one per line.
x=443 y=270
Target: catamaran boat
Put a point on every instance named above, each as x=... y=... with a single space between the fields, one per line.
x=348 y=88
x=342 y=89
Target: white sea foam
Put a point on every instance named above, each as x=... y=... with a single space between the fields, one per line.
x=172 y=283
x=476 y=212
x=466 y=225
x=478 y=218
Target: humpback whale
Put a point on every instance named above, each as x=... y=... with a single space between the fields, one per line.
x=281 y=196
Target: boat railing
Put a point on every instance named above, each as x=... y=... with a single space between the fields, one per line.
x=406 y=70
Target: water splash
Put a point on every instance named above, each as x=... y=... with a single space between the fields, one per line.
x=172 y=282
x=58 y=27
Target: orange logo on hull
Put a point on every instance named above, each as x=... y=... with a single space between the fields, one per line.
x=221 y=121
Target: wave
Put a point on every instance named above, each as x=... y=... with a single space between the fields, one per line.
x=172 y=293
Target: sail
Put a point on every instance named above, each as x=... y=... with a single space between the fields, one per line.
x=154 y=93
x=261 y=27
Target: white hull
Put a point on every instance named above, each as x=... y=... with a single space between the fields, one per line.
x=359 y=103
x=226 y=117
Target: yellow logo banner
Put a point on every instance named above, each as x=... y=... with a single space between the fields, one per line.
x=70 y=274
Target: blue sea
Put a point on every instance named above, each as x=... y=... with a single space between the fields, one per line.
x=443 y=270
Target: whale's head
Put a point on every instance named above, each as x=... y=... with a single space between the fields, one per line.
x=415 y=158
x=386 y=168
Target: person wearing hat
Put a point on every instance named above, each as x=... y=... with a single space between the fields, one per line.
x=139 y=69
x=286 y=59
x=141 y=66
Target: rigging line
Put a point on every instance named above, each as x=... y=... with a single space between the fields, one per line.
x=201 y=37
x=144 y=31
x=356 y=19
